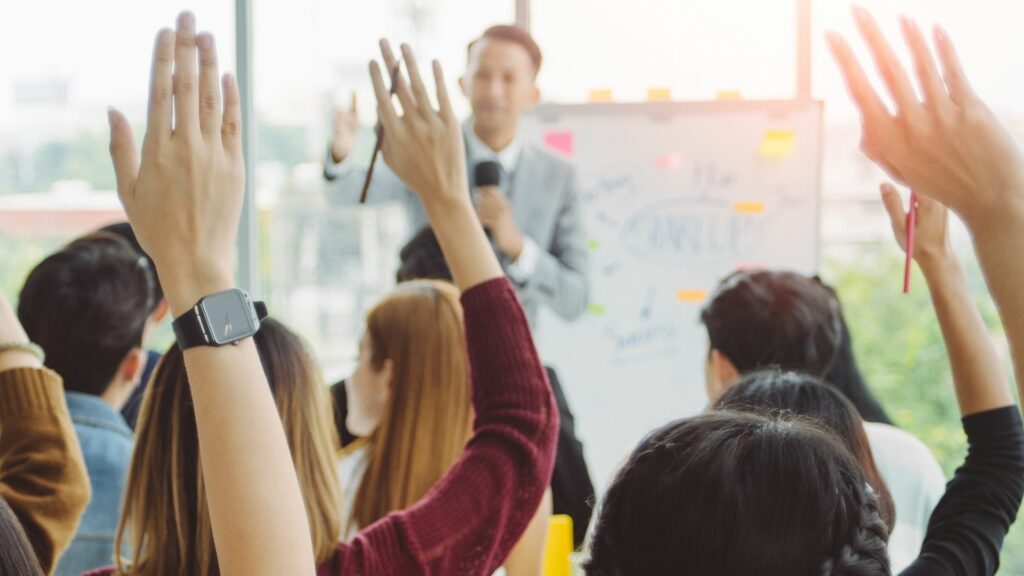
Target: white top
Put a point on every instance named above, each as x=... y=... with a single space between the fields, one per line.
x=916 y=482
x=351 y=468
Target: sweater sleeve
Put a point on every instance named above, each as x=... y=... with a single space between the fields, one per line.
x=42 y=472
x=471 y=519
x=967 y=528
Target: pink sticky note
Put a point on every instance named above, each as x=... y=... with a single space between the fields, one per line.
x=669 y=161
x=561 y=141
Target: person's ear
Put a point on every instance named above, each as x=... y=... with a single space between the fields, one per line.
x=462 y=86
x=534 y=95
x=723 y=373
x=160 y=312
x=132 y=365
x=387 y=373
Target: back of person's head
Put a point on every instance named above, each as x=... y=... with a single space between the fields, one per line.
x=775 y=391
x=427 y=419
x=165 y=522
x=86 y=306
x=16 y=554
x=515 y=35
x=734 y=494
x=124 y=230
x=422 y=259
x=763 y=318
x=846 y=376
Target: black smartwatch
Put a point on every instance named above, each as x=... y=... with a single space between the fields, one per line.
x=219 y=319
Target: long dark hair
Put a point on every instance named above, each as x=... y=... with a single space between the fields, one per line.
x=775 y=391
x=729 y=493
x=16 y=554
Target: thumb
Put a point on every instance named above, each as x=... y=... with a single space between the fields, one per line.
x=122 y=153
x=894 y=206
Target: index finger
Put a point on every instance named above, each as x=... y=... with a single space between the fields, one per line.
x=398 y=85
x=161 y=90
x=888 y=65
x=444 y=102
x=857 y=83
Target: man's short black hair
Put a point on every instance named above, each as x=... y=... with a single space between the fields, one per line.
x=762 y=318
x=515 y=35
x=124 y=230
x=422 y=259
x=86 y=306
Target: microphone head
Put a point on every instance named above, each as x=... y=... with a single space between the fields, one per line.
x=487 y=173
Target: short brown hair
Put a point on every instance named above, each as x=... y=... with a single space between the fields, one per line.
x=513 y=34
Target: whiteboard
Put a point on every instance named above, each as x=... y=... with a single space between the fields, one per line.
x=675 y=196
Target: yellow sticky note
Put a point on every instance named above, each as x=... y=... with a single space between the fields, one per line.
x=659 y=94
x=691 y=295
x=729 y=95
x=601 y=95
x=596 y=309
x=778 y=144
x=748 y=207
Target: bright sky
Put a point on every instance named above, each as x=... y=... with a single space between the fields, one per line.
x=308 y=52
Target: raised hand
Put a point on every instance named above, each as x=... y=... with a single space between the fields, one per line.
x=931 y=235
x=948 y=145
x=185 y=199
x=423 y=146
x=346 y=126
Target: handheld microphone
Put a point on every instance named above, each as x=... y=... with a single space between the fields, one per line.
x=487 y=173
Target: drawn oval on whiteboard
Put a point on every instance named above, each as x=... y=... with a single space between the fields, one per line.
x=690 y=231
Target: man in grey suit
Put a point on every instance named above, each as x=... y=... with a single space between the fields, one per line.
x=534 y=216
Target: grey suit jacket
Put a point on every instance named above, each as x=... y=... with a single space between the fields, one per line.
x=545 y=201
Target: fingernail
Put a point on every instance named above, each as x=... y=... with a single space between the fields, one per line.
x=860 y=13
x=940 y=34
x=204 y=41
x=112 y=116
x=186 y=20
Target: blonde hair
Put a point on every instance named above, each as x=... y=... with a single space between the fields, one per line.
x=428 y=416
x=165 y=520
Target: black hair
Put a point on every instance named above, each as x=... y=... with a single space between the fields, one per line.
x=422 y=259
x=734 y=494
x=124 y=230
x=86 y=306
x=767 y=318
x=774 y=391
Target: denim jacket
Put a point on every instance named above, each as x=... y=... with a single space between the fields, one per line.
x=107 y=446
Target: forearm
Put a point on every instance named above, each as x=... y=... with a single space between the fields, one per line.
x=241 y=439
x=42 y=472
x=977 y=373
x=463 y=242
x=998 y=239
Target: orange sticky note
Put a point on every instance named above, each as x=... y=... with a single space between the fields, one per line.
x=659 y=94
x=601 y=95
x=691 y=295
x=729 y=95
x=778 y=144
x=748 y=207
x=560 y=141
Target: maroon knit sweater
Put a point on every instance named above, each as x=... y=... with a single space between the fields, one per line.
x=470 y=520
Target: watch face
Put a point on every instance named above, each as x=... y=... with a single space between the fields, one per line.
x=228 y=316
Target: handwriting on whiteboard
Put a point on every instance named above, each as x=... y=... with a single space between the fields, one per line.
x=696 y=230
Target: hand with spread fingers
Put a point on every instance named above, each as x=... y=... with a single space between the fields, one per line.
x=185 y=198
x=423 y=146
x=948 y=145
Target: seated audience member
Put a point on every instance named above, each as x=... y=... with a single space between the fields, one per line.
x=158 y=532
x=44 y=487
x=157 y=313
x=86 y=306
x=410 y=404
x=777 y=392
x=728 y=493
x=761 y=319
x=470 y=520
x=571 y=488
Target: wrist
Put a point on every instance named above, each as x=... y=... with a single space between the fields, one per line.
x=12 y=358
x=184 y=292
x=339 y=153
x=939 y=265
x=513 y=248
